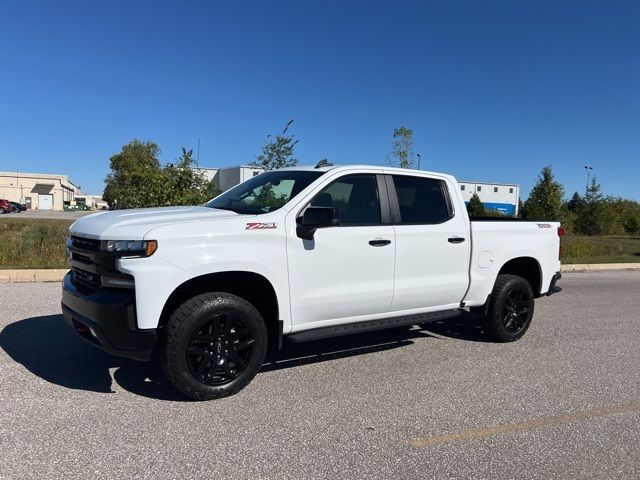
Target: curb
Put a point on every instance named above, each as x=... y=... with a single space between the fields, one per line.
x=56 y=275
x=33 y=275
x=586 y=267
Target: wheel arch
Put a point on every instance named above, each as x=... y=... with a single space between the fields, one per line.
x=527 y=268
x=253 y=287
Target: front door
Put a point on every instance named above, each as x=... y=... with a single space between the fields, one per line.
x=346 y=271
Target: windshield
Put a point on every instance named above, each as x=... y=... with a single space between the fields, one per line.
x=264 y=193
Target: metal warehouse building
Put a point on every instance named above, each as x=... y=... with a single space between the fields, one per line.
x=228 y=177
x=37 y=190
x=502 y=197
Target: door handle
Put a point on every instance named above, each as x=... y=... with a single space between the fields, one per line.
x=456 y=239
x=379 y=242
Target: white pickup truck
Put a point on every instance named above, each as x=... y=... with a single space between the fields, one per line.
x=302 y=253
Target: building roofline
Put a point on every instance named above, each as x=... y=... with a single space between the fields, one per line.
x=64 y=179
x=491 y=183
x=230 y=166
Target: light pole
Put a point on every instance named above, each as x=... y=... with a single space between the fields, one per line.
x=588 y=168
x=419 y=156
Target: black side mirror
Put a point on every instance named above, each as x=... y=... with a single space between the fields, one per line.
x=313 y=218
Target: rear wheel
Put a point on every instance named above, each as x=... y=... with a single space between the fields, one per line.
x=510 y=309
x=215 y=344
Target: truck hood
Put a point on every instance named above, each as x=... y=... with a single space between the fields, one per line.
x=135 y=223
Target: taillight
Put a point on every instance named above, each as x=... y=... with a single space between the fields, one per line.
x=561 y=233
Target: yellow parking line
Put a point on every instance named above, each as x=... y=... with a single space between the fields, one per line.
x=526 y=425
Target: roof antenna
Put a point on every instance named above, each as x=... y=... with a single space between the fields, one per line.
x=324 y=163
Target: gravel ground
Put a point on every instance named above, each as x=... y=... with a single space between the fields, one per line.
x=563 y=402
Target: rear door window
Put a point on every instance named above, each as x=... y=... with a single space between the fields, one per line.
x=422 y=200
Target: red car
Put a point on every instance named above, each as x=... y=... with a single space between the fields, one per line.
x=5 y=206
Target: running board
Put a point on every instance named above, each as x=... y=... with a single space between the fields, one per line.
x=370 y=325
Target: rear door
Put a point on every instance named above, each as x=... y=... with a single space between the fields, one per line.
x=432 y=243
x=346 y=271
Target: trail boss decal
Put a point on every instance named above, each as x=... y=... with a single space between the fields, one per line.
x=261 y=226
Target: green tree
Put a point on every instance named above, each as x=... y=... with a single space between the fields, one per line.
x=402 y=148
x=576 y=203
x=591 y=216
x=546 y=199
x=136 y=178
x=629 y=215
x=277 y=152
x=184 y=185
x=475 y=207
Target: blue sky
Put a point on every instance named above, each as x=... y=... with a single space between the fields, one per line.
x=493 y=90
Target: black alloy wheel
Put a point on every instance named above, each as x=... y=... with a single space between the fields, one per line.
x=515 y=309
x=510 y=309
x=219 y=351
x=213 y=346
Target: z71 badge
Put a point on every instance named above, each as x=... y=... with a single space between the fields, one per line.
x=261 y=226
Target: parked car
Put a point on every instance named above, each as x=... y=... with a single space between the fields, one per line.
x=5 y=206
x=303 y=253
x=18 y=207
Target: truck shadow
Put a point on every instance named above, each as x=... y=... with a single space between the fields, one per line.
x=49 y=349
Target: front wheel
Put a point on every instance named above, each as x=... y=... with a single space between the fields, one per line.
x=510 y=309
x=215 y=344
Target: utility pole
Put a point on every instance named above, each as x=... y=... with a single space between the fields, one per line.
x=198 y=155
x=419 y=157
x=588 y=168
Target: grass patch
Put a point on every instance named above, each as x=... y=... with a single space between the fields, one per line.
x=39 y=243
x=33 y=243
x=579 y=249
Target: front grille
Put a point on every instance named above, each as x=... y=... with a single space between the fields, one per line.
x=85 y=243
x=90 y=265
x=86 y=281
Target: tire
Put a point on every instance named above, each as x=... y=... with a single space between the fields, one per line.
x=215 y=343
x=510 y=309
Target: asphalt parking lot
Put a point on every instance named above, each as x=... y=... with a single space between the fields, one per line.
x=441 y=402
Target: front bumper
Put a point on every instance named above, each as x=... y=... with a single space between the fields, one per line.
x=107 y=319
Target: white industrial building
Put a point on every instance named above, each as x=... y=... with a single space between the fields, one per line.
x=227 y=177
x=502 y=197
x=42 y=191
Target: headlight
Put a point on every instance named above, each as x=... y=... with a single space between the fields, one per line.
x=138 y=248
